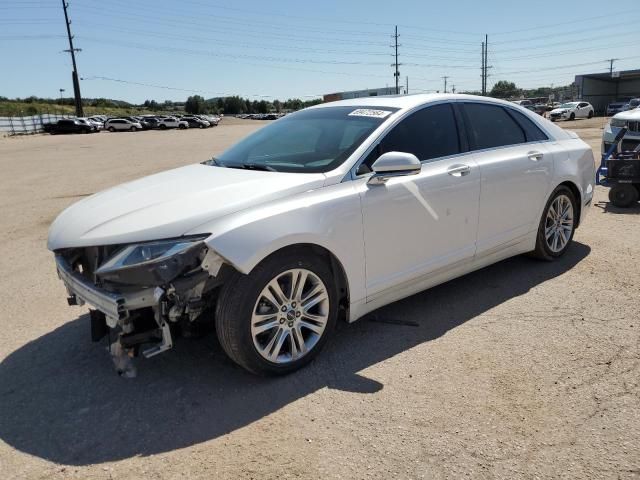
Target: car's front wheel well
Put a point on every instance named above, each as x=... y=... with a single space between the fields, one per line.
x=578 y=198
x=337 y=270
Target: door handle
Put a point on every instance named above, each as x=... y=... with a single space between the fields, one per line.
x=535 y=156
x=459 y=170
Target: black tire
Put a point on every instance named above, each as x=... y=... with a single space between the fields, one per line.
x=623 y=195
x=235 y=307
x=111 y=129
x=572 y=116
x=163 y=126
x=542 y=250
x=552 y=119
x=134 y=128
x=590 y=114
x=181 y=127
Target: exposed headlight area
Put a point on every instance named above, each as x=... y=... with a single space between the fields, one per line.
x=153 y=263
x=618 y=122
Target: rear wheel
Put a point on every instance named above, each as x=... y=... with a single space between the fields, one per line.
x=557 y=225
x=590 y=114
x=623 y=195
x=572 y=116
x=278 y=317
x=163 y=126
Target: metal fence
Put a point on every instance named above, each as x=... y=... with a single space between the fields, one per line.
x=29 y=124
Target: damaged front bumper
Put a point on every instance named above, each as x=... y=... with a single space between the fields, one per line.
x=115 y=306
x=140 y=314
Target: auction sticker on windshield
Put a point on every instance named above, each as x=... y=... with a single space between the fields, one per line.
x=368 y=112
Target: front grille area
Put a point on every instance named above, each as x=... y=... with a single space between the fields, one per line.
x=87 y=260
x=634 y=127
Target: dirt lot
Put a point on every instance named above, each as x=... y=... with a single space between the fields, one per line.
x=521 y=370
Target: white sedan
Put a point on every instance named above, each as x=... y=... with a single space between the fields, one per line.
x=324 y=215
x=571 y=111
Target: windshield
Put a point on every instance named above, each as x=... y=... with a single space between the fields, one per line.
x=568 y=105
x=310 y=141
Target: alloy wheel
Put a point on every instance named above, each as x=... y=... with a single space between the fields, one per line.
x=290 y=316
x=559 y=223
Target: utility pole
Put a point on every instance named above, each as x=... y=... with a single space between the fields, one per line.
x=611 y=60
x=407 y=87
x=453 y=88
x=482 y=73
x=74 y=75
x=396 y=72
x=445 y=83
x=486 y=63
x=61 y=91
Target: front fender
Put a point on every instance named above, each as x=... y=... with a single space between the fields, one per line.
x=329 y=217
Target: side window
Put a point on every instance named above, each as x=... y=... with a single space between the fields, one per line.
x=531 y=130
x=428 y=133
x=491 y=126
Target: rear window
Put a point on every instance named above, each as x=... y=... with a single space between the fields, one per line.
x=532 y=132
x=491 y=126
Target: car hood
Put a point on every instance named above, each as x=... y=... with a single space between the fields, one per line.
x=168 y=204
x=559 y=110
x=633 y=115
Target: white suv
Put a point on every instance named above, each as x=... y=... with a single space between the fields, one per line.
x=571 y=111
x=171 y=122
x=629 y=119
x=122 y=124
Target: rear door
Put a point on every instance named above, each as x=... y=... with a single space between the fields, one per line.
x=516 y=165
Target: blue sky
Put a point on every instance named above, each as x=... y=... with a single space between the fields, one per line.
x=286 y=48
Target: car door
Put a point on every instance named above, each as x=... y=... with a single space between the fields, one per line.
x=416 y=225
x=516 y=167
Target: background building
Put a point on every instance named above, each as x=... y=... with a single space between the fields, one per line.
x=600 y=89
x=371 y=92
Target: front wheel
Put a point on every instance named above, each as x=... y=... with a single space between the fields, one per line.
x=623 y=195
x=572 y=116
x=111 y=129
x=557 y=225
x=134 y=129
x=278 y=317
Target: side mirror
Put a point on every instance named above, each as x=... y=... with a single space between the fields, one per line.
x=394 y=164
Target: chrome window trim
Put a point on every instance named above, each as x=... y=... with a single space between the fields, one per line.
x=351 y=175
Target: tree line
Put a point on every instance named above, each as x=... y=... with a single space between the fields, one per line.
x=235 y=105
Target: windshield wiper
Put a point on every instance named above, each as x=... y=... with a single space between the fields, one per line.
x=256 y=166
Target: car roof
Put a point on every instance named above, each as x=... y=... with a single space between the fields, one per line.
x=404 y=102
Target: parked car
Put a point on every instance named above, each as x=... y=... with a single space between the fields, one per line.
x=149 y=123
x=171 y=122
x=615 y=107
x=539 y=109
x=69 y=125
x=213 y=120
x=326 y=214
x=97 y=122
x=571 y=111
x=88 y=123
x=523 y=103
x=122 y=124
x=629 y=119
x=633 y=103
x=196 y=122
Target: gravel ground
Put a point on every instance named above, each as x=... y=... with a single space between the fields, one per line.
x=521 y=370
